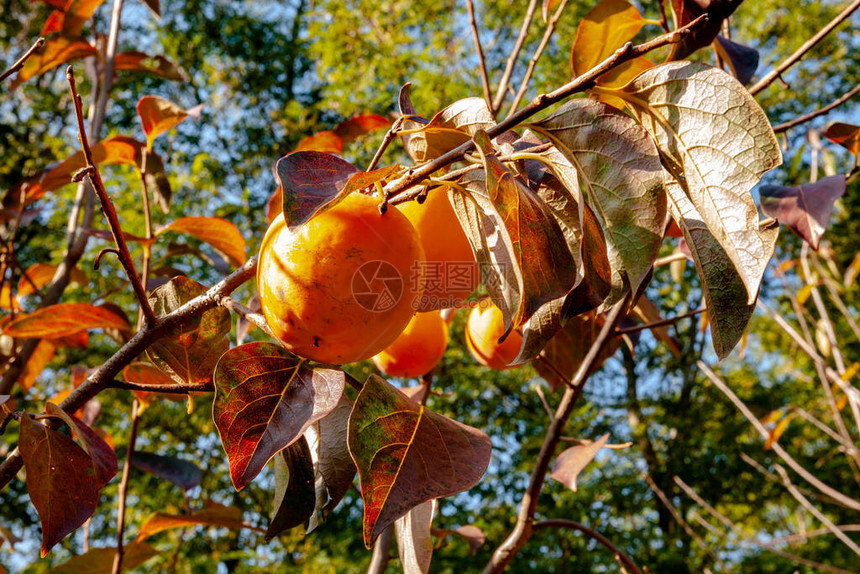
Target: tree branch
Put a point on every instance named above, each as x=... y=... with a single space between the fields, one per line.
x=502 y=89
x=123 y=489
x=660 y=323
x=820 y=112
x=808 y=45
x=482 y=62
x=619 y=554
x=23 y=59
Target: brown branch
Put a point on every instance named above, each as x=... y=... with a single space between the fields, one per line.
x=386 y=141
x=820 y=112
x=23 y=60
x=104 y=376
x=605 y=542
x=482 y=62
x=256 y=318
x=550 y=30
x=123 y=489
x=793 y=538
x=148 y=233
x=502 y=89
x=808 y=45
x=660 y=323
x=541 y=102
x=107 y=205
x=525 y=519
x=178 y=388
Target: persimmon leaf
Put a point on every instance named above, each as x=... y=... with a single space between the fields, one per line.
x=717 y=166
x=294 y=488
x=221 y=234
x=100 y=560
x=451 y=127
x=157 y=115
x=183 y=473
x=40 y=274
x=308 y=181
x=58 y=50
x=62 y=320
x=42 y=355
x=407 y=455
x=846 y=135
x=153 y=65
x=213 y=515
x=804 y=208
x=414 y=539
x=103 y=457
x=323 y=142
x=61 y=480
x=358 y=126
x=265 y=398
x=189 y=351
x=473 y=536
x=149 y=374
x=688 y=10
x=571 y=462
x=743 y=60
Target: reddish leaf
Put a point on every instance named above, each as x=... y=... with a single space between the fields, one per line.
x=154 y=6
x=189 y=351
x=358 y=126
x=742 y=60
x=470 y=533
x=265 y=398
x=689 y=10
x=846 y=135
x=57 y=51
x=37 y=362
x=275 y=206
x=62 y=320
x=70 y=19
x=7 y=300
x=570 y=463
x=778 y=430
x=158 y=115
x=294 y=488
x=54 y=23
x=407 y=455
x=100 y=560
x=60 y=480
x=323 y=142
x=219 y=233
x=153 y=65
x=308 y=181
x=184 y=474
x=213 y=515
x=103 y=458
x=804 y=208
x=40 y=274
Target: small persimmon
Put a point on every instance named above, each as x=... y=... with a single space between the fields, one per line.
x=452 y=273
x=341 y=287
x=483 y=329
x=418 y=349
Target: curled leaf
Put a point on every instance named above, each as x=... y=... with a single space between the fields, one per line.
x=571 y=462
x=308 y=182
x=804 y=208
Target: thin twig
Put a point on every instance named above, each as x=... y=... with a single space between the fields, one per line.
x=660 y=323
x=605 y=542
x=23 y=59
x=528 y=505
x=107 y=205
x=386 y=141
x=781 y=452
x=820 y=112
x=677 y=256
x=485 y=79
x=822 y=310
x=502 y=89
x=148 y=234
x=794 y=538
x=815 y=512
x=123 y=489
x=256 y=318
x=550 y=30
x=808 y=45
x=178 y=388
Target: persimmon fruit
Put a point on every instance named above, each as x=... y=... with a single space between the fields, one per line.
x=418 y=349
x=483 y=329
x=341 y=287
x=452 y=274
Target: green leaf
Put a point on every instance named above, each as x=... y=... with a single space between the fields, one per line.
x=265 y=399
x=407 y=455
x=294 y=488
x=716 y=141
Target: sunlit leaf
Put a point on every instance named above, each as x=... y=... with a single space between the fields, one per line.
x=184 y=474
x=294 y=488
x=453 y=126
x=153 y=65
x=323 y=142
x=58 y=50
x=148 y=374
x=358 y=126
x=40 y=274
x=103 y=458
x=100 y=560
x=189 y=351
x=60 y=480
x=157 y=115
x=213 y=515
x=778 y=430
x=407 y=455
x=37 y=362
x=265 y=398
x=62 y=320
x=804 y=208
x=718 y=166
x=742 y=60
x=473 y=536
x=571 y=462
x=414 y=540
x=308 y=181
x=221 y=234
x=846 y=135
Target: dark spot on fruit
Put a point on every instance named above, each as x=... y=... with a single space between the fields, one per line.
x=316 y=341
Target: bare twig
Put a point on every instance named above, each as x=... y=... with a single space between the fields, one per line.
x=528 y=505
x=822 y=310
x=781 y=452
x=808 y=45
x=107 y=205
x=23 y=59
x=178 y=388
x=148 y=234
x=820 y=112
x=793 y=538
x=256 y=318
x=677 y=256
x=482 y=62
x=547 y=35
x=605 y=542
x=123 y=489
x=386 y=141
x=502 y=89
x=660 y=323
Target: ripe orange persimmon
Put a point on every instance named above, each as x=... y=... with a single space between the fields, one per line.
x=341 y=287
x=452 y=273
x=483 y=329
x=418 y=348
